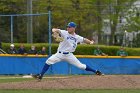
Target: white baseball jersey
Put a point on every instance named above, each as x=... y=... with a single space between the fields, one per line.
x=68 y=45
x=70 y=41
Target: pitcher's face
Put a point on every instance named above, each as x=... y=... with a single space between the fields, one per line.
x=71 y=30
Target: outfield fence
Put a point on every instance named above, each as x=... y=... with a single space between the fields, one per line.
x=32 y=64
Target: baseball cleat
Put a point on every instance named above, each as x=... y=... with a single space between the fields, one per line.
x=99 y=73
x=37 y=77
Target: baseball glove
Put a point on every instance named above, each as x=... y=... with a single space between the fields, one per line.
x=57 y=37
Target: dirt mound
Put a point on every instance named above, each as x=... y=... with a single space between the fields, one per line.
x=79 y=82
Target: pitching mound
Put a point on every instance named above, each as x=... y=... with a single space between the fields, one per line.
x=79 y=82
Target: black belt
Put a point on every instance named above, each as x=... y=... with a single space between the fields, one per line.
x=64 y=52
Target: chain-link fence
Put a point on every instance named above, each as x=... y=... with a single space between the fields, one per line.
x=22 y=28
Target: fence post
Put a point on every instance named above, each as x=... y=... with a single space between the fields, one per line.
x=11 y=17
x=50 y=41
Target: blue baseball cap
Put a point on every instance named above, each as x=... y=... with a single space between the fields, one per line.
x=72 y=24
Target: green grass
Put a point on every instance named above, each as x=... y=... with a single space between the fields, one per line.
x=14 y=80
x=7 y=80
x=73 y=91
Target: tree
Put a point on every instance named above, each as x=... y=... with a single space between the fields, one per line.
x=136 y=41
x=116 y=10
x=7 y=7
x=133 y=19
x=88 y=14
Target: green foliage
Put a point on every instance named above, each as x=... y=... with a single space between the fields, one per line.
x=88 y=14
x=136 y=41
x=133 y=23
x=82 y=49
x=7 y=79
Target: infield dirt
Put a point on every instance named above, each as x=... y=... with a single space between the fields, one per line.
x=79 y=82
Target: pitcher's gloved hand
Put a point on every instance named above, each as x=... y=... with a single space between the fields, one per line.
x=57 y=37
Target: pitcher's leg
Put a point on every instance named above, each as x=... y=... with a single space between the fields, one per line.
x=45 y=68
x=74 y=61
x=52 y=60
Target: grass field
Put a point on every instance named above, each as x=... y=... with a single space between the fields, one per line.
x=6 y=80
x=74 y=91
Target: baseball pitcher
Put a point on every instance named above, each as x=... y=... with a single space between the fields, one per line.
x=68 y=42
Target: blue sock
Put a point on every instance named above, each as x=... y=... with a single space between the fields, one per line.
x=45 y=68
x=90 y=69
